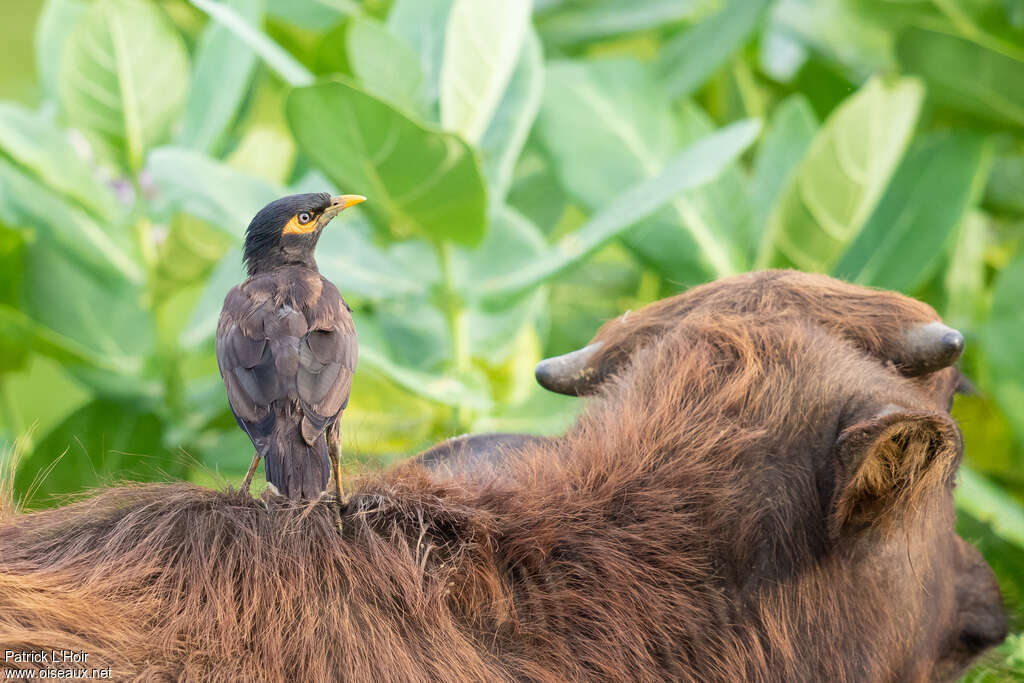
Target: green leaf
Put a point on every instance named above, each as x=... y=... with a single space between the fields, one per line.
x=99 y=444
x=385 y=65
x=506 y=135
x=42 y=147
x=965 y=276
x=124 y=76
x=577 y=22
x=786 y=140
x=688 y=60
x=19 y=332
x=223 y=70
x=700 y=163
x=420 y=181
x=275 y=56
x=482 y=45
x=56 y=21
x=965 y=75
x=1002 y=338
x=102 y=249
x=1005 y=190
x=608 y=125
x=842 y=176
x=911 y=228
x=987 y=503
x=422 y=24
x=194 y=183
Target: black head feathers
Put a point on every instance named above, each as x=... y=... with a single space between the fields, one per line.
x=265 y=240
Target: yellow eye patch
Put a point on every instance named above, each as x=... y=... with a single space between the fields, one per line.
x=296 y=227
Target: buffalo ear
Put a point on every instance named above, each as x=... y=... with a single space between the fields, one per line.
x=886 y=461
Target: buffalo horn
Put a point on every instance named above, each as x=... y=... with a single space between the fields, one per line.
x=929 y=347
x=571 y=373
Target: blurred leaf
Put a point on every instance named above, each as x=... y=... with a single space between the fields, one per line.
x=544 y=413
x=422 y=24
x=276 y=57
x=420 y=181
x=987 y=503
x=965 y=75
x=685 y=62
x=203 y=323
x=698 y=164
x=207 y=189
x=965 y=275
x=56 y=21
x=1002 y=338
x=186 y=255
x=506 y=135
x=313 y=14
x=103 y=316
x=581 y=21
x=221 y=77
x=99 y=444
x=348 y=257
x=101 y=249
x=385 y=65
x=266 y=152
x=383 y=418
x=842 y=176
x=609 y=126
x=536 y=190
x=43 y=148
x=124 y=76
x=1005 y=190
x=46 y=394
x=911 y=228
x=787 y=138
x=19 y=332
x=482 y=45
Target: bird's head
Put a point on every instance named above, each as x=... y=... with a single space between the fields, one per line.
x=286 y=230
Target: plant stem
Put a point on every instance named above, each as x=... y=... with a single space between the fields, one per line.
x=451 y=305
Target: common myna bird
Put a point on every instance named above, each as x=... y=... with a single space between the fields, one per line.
x=286 y=347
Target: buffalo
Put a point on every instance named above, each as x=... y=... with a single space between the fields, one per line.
x=751 y=493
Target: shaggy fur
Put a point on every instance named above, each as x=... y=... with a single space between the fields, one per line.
x=751 y=499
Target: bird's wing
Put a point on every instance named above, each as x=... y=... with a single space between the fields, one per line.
x=257 y=355
x=327 y=360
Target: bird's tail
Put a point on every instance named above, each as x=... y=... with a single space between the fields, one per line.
x=296 y=469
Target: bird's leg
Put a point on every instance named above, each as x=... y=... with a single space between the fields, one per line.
x=252 y=471
x=334 y=453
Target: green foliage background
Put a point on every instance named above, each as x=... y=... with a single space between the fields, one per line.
x=533 y=170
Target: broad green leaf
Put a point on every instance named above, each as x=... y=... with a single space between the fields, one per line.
x=964 y=279
x=544 y=412
x=842 y=176
x=1005 y=190
x=46 y=394
x=385 y=65
x=55 y=23
x=787 y=138
x=986 y=502
x=105 y=317
x=912 y=226
x=317 y=15
x=203 y=323
x=576 y=22
x=481 y=49
x=420 y=181
x=1002 y=339
x=383 y=418
x=102 y=443
x=102 y=249
x=348 y=257
x=190 y=250
x=688 y=60
x=42 y=147
x=700 y=163
x=275 y=56
x=506 y=135
x=422 y=24
x=609 y=126
x=208 y=189
x=124 y=76
x=18 y=331
x=221 y=76
x=965 y=75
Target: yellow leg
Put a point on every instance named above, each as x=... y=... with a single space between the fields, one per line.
x=248 y=475
x=334 y=453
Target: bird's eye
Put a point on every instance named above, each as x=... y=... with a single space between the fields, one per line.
x=305 y=217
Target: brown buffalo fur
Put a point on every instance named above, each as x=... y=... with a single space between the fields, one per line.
x=752 y=499
x=873 y=320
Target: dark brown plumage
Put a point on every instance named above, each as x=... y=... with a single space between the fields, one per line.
x=286 y=346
